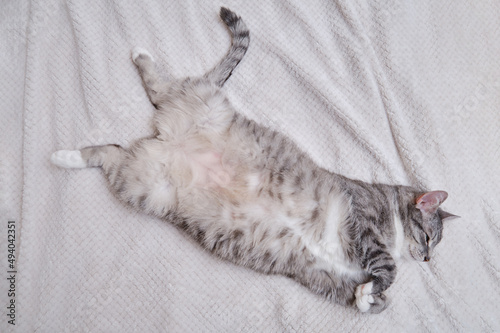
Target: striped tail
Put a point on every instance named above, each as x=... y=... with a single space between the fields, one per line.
x=239 y=46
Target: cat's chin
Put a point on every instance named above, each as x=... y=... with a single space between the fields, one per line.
x=415 y=256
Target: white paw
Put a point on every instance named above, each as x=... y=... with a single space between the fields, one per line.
x=68 y=159
x=364 y=299
x=138 y=51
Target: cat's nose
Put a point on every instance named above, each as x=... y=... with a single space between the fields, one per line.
x=426 y=258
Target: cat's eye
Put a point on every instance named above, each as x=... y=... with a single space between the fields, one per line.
x=427 y=239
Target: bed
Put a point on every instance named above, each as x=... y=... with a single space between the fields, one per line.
x=382 y=91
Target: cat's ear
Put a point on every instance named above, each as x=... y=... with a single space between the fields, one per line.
x=445 y=216
x=429 y=202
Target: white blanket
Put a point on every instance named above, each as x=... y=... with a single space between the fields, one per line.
x=386 y=91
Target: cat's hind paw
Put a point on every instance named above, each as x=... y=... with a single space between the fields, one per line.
x=140 y=53
x=368 y=302
x=68 y=159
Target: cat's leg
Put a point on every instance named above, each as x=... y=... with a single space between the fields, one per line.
x=128 y=175
x=68 y=159
x=382 y=269
x=107 y=156
x=153 y=84
x=366 y=301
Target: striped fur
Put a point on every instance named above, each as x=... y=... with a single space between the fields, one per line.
x=249 y=195
x=240 y=41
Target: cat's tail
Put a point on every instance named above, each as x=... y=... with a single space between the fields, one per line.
x=239 y=46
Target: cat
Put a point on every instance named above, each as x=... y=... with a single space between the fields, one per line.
x=251 y=196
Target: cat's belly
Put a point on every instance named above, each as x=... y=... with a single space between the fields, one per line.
x=208 y=172
x=228 y=196
x=323 y=239
x=265 y=219
x=330 y=248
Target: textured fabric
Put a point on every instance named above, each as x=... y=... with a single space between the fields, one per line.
x=386 y=91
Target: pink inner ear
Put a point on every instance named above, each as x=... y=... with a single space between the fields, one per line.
x=430 y=201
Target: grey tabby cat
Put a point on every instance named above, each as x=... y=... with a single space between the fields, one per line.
x=251 y=196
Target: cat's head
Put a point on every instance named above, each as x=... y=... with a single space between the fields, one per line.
x=424 y=230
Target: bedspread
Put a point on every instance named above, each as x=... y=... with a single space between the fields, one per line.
x=383 y=91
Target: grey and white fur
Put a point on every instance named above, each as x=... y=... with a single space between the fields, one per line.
x=251 y=196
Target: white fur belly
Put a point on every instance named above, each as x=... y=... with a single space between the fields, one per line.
x=207 y=170
x=289 y=213
x=398 y=249
x=329 y=249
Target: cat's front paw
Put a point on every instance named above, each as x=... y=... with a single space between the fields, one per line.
x=68 y=159
x=368 y=302
x=140 y=53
